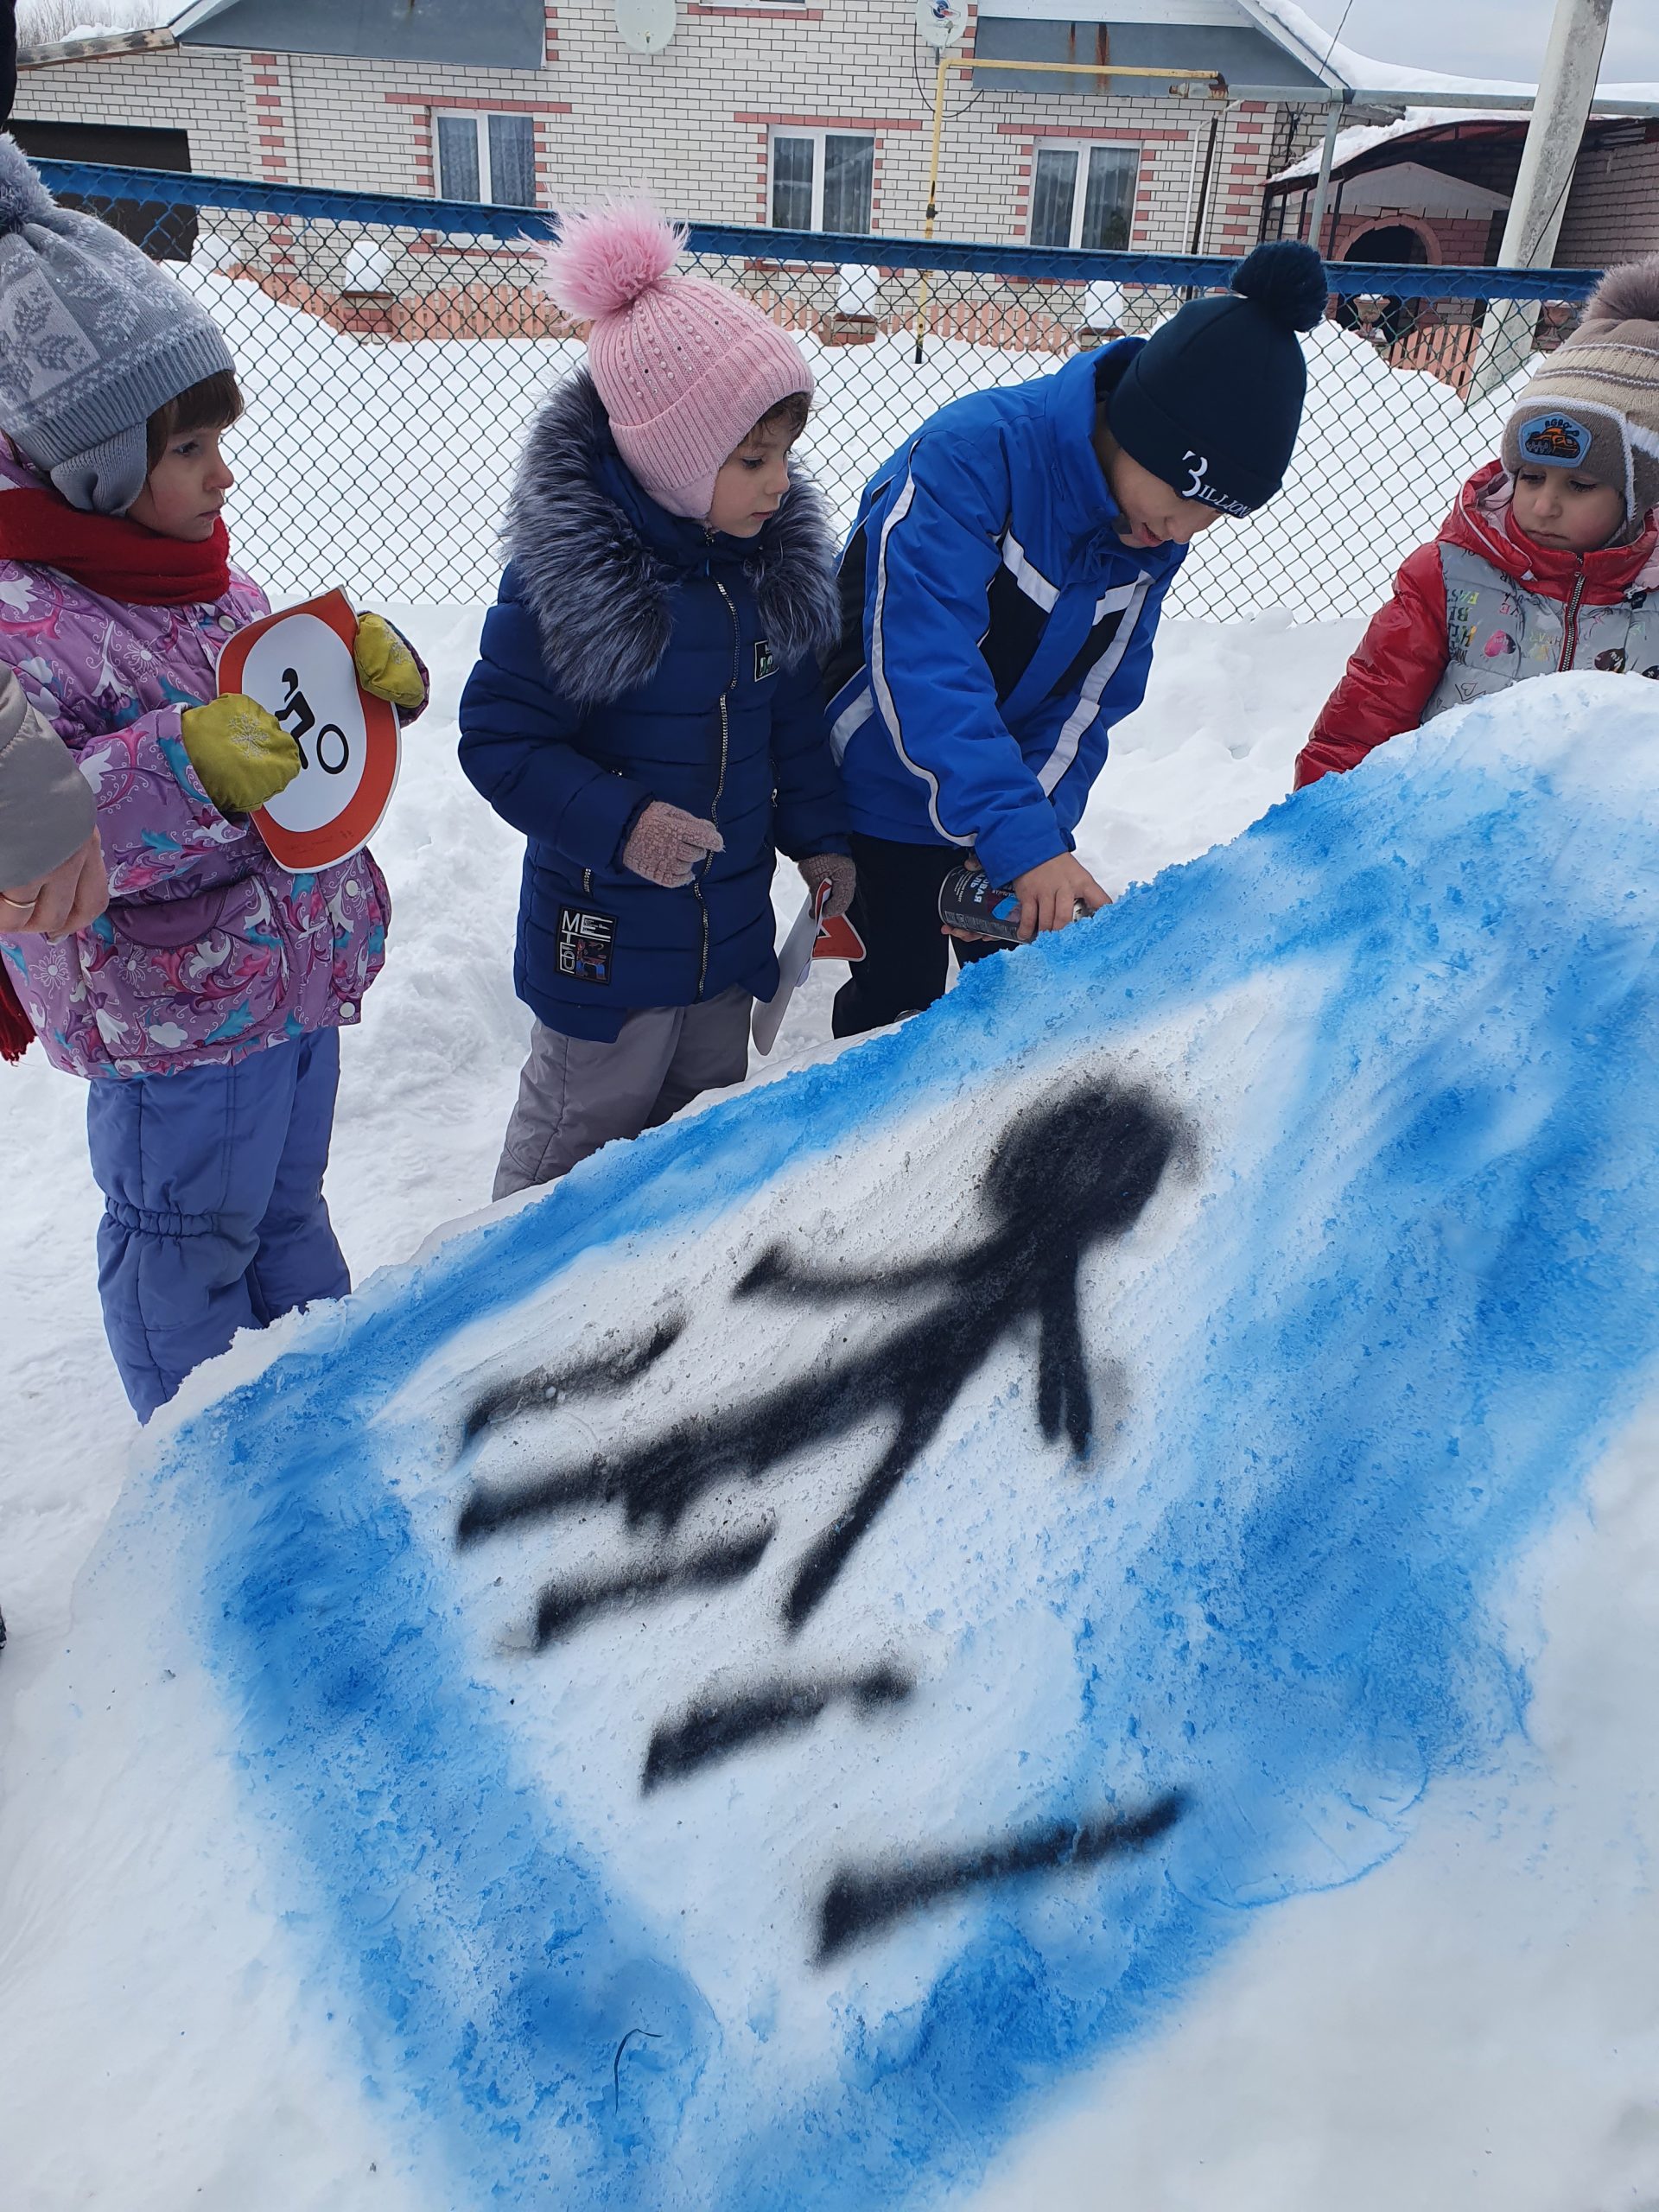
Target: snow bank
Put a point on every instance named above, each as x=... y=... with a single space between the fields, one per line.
x=428 y=1079
x=1012 y=1618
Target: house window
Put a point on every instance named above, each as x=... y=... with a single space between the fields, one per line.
x=1084 y=196
x=820 y=179
x=487 y=157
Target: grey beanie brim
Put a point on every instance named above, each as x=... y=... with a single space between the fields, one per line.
x=93 y=339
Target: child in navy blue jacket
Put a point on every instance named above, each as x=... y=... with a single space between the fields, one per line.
x=646 y=706
x=1002 y=586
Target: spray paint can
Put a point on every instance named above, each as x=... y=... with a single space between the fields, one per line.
x=969 y=900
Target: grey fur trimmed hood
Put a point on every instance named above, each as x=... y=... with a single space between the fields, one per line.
x=603 y=595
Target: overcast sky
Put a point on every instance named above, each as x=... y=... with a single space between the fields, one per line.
x=1487 y=38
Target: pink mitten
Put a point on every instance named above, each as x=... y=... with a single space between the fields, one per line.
x=842 y=875
x=666 y=844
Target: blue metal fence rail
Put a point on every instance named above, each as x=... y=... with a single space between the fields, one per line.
x=393 y=351
x=1017 y=264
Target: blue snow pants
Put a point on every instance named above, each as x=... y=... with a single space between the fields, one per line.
x=213 y=1213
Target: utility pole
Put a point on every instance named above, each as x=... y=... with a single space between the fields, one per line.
x=1567 y=84
x=1322 y=189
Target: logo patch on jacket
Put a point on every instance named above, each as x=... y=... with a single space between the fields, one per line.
x=1555 y=440
x=586 y=940
x=766 y=663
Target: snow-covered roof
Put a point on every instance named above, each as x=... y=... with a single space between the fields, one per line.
x=1304 y=42
x=41 y=23
x=1364 y=75
x=1363 y=137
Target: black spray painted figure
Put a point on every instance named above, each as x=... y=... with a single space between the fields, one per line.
x=1063 y=1179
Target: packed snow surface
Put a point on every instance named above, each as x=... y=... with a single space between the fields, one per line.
x=1058 y=1608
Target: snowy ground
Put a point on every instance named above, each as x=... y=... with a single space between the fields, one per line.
x=429 y=1076
x=387 y=466
x=1370 y=1578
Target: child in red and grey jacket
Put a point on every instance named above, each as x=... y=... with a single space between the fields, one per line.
x=1550 y=558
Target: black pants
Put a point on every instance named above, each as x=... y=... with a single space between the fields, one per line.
x=896 y=911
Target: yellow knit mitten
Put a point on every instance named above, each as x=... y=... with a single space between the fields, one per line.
x=386 y=664
x=241 y=752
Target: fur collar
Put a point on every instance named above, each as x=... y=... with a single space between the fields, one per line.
x=603 y=596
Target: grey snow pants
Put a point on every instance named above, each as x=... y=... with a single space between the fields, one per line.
x=575 y=1094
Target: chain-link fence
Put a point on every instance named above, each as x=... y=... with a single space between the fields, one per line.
x=393 y=351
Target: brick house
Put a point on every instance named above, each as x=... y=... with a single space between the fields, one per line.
x=802 y=113
x=793 y=114
x=1434 y=188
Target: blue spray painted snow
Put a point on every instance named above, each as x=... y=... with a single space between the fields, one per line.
x=1424 y=1310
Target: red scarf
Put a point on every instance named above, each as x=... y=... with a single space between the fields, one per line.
x=110 y=556
x=16 y=1031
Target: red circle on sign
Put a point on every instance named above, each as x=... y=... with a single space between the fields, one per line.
x=298 y=850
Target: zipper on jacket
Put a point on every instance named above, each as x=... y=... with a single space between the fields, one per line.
x=1570 y=622
x=719 y=778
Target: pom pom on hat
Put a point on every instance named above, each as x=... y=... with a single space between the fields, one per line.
x=684 y=368
x=608 y=258
x=1627 y=293
x=1285 y=279
x=23 y=198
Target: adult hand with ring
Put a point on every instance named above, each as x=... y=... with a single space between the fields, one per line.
x=75 y=892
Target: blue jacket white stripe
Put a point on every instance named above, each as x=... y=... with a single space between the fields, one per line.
x=994 y=625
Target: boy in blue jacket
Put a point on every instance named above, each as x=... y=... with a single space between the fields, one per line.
x=1000 y=592
x=646 y=706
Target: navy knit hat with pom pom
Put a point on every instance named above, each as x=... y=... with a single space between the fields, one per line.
x=93 y=339
x=1212 y=402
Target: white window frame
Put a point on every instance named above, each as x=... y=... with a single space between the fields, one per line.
x=817 y=135
x=479 y=119
x=1084 y=149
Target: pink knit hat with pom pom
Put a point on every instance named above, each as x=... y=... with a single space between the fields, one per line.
x=685 y=368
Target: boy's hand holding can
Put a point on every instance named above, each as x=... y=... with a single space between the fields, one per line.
x=1055 y=892
x=1044 y=898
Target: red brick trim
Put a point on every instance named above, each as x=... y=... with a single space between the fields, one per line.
x=426 y=178
x=830 y=122
x=763 y=160
x=434 y=106
x=1063 y=133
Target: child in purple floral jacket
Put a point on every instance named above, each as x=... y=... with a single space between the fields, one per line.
x=204 y=1006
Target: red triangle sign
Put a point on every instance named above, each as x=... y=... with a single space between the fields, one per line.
x=838 y=940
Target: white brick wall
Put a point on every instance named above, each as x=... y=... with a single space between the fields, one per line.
x=690 y=124
x=202 y=91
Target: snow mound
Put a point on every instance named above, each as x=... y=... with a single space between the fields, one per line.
x=1009 y=1619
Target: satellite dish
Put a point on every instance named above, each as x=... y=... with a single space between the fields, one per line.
x=645 y=25
x=941 y=22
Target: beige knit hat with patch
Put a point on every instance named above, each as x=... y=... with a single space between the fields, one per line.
x=1594 y=405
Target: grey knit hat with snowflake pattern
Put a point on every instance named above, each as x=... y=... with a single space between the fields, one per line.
x=93 y=339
